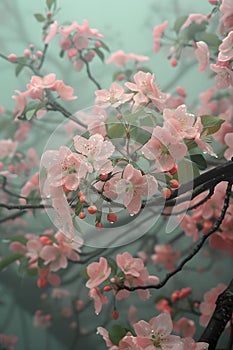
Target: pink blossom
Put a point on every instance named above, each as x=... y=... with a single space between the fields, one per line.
x=98 y=272
x=41 y=321
x=120 y=58
x=194 y=18
x=179 y=122
x=208 y=305
x=165 y=255
x=226 y=9
x=64 y=91
x=164 y=148
x=225 y=49
x=78 y=65
x=156 y=333
x=31 y=185
x=184 y=326
x=102 y=331
x=8 y=148
x=99 y=299
x=229 y=142
x=97 y=151
x=189 y=344
x=38 y=84
x=224 y=77
x=130 y=266
x=145 y=90
x=157 y=33
x=9 y=341
x=114 y=97
x=52 y=32
x=65 y=168
x=21 y=102
x=133 y=186
x=202 y=55
x=18 y=247
x=67 y=30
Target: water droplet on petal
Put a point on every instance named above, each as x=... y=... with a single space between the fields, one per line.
x=131 y=214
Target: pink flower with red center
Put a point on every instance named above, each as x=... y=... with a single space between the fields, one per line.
x=96 y=152
x=98 y=272
x=208 y=305
x=99 y=299
x=131 y=267
x=146 y=90
x=157 y=34
x=202 y=55
x=114 y=97
x=156 y=334
x=133 y=186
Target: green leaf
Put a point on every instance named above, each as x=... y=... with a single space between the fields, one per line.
x=212 y=40
x=199 y=160
x=9 y=259
x=61 y=54
x=99 y=53
x=178 y=23
x=116 y=333
x=41 y=264
x=140 y=135
x=84 y=275
x=30 y=114
x=211 y=124
x=18 y=69
x=112 y=264
x=39 y=17
x=116 y=131
x=194 y=29
x=50 y=3
x=104 y=46
x=32 y=272
x=18 y=238
x=78 y=208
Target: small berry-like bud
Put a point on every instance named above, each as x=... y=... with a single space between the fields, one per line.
x=80 y=193
x=92 y=209
x=31 y=47
x=175 y=295
x=115 y=314
x=48 y=317
x=82 y=215
x=185 y=291
x=99 y=225
x=103 y=177
x=39 y=54
x=107 y=288
x=49 y=14
x=120 y=77
x=174 y=170
x=45 y=240
x=119 y=116
x=112 y=217
x=174 y=184
x=207 y=226
x=82 y=199
x=42 y=282
x=166 y=192
x=65 y=189
x=11 y=167
x=98 y=44
x=27 y=53
x=174 y=62
x=12 y=58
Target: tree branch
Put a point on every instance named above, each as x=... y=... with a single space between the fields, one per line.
x=222 y=314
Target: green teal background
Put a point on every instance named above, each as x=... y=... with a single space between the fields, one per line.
x=126 y=25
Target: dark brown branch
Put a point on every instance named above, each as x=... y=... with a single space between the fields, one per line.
x=89 y=73
x=222 y=314
x=195 y=250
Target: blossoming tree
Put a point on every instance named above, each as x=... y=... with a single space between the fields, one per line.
x=137 y=187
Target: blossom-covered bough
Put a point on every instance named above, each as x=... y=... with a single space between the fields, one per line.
x=128 y=181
